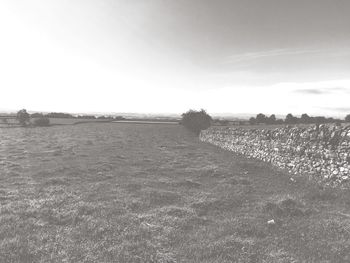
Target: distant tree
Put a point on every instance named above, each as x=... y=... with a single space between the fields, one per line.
x=224 y=122
x=252 y=121
x=88 y=117
x=305 y=118
x=320 y=119
x=347 y=118
x=271 y=119
x=220 y=122
x=59 y=115
x=23 y=117
x=36 y=115
x=196 y=120
x=331 y=120
x=261 y=118
x=290 y=119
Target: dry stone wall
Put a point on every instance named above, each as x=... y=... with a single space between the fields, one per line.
x=320 y=151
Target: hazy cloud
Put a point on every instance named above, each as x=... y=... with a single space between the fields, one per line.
x=310 y=91
x=339 y=109
x=341 y=89
x=321 y=91
x=269 y=53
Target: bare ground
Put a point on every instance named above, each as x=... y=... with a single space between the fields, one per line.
x=154 y=193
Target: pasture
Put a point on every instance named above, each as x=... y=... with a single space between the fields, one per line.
x=12 y=122
x=118 y=192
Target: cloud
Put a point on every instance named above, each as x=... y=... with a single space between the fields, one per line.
x=337 y=109
x=294 y=63
x=340 y=89
x=322 y=91
x=310 y=91
x=251 y=56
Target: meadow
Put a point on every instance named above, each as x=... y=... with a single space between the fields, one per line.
x=11 y=123
x=118 y=192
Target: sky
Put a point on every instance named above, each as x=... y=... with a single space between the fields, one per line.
x=166 y=56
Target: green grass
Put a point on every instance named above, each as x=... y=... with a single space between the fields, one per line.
x=154 y=193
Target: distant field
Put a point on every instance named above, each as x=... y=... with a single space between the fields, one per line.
x=147 y=122
x=153 y=193
x=67 y=121
x=54 y=121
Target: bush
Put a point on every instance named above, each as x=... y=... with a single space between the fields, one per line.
x=271 y=120
x=252 y=121
x=43 y=121
x=23 y=117
x=347 y=118
x=59 y=115
x=290 y=119
x=36 y=115
x=196 y=120
x=261 y=118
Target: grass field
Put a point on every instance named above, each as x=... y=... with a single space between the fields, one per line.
x=154 y=193
x=69 y=121
x=53 y=121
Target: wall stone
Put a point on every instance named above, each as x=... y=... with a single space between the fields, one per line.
x=322 y=151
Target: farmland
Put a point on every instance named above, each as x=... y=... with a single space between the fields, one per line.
x=12 y=122
x=119 y=192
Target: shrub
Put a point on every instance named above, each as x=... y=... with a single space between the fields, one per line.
x=252 y=121
x=196 y=120
x=261 y=118
x=119 y=118
x=36 y=115
x=59 y=115
x=290 y=119
x=43 y=121
x=23 y=117
x=305 y=118
x=272 y=119
x=347 y=118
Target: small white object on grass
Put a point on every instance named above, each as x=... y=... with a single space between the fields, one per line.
x=271 y=222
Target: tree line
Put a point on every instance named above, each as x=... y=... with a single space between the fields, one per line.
x=200 y=120
x=41 y=119
x=70 y=116
x=290 y=119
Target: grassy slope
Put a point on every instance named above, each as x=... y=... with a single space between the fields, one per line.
x=133 y=193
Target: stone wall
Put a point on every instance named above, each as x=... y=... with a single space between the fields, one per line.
x=320 y=151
